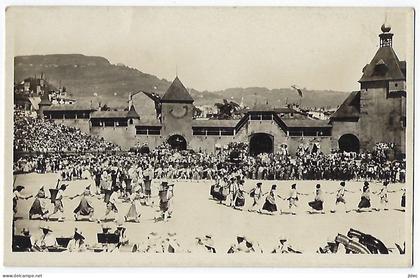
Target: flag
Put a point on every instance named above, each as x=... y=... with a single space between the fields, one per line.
x=299 y=91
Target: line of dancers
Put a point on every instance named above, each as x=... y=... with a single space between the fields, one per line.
x=231 y=192
x=85 y=210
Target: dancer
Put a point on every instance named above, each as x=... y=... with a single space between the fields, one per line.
x=240 y=197
x=18 y=195
x=47 y=240
x=85 y=207
x=77 y=243
x=270 y=201
x=364 y=204
x=38 y=207
x=58 y=204
x=111 y=206
x=293 y=198
x=256 y=194
x=340 y=193
x=318 y=203
x=383 y=195
x=134 y=211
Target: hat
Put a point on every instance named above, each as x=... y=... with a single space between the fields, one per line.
x=259 y=183
x=273 y=186
x=63 y=186
x=385 y=183
x=318 y=186
x=342 y=183
x=366 y=183
x=19 y=187
x=282 y=238
x=25 y=231
x=78 y=235
x=46 y=228
x=239 y=239
x=294 y=185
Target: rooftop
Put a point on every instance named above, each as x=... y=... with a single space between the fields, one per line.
x=177 y=93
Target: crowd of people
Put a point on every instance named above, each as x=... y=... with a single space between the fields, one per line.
x=32 y=134
x=54 y=147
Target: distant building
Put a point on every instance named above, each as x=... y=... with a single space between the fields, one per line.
x=375 y=114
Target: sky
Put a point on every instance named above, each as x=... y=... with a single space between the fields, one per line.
x=216 y=48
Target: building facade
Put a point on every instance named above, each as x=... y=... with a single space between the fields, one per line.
x=375 y=114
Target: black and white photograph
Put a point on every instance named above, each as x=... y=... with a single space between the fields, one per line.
x=209 y=136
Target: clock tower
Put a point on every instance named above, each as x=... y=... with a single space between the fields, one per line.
x=177 y=115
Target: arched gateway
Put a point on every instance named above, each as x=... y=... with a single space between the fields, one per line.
x=349 y=143
x=177 y=142
x=261 y=143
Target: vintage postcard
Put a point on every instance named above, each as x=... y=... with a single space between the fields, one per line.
x=209 y=136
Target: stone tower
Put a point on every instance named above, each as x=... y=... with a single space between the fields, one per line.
x=382 y=97
x=177 y=114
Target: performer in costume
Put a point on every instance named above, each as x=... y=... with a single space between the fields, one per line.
x=364 y=203
x=256 y=194
x=134 y=211
x=77 y=243
x=18 y=195
x=47 y=240
x=383 y=195
x=340 y=193
x=240 y=197
x=318 y=203
x=270 y=201
x=111 y=206
x=38 y=207
x=58 y=203
x=85 y=207
x=293 y=198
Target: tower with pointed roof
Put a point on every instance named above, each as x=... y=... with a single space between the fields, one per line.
x=382 y=96
x=376 y=113
x=177 y=113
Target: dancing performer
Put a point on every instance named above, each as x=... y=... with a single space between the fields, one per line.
x=38 y=207
x=240 y=197
x=364 y=204
x=85 y=207
x=340 y=193
x=111 y=206
x=47 y=240
x=77 y=243
x=165 y=205
x=284 y=247
x=256 y=194
x=270 y=201
x=293 y=198
x=134 y=211
x=383 y=195
x=318 y=203
x=18 y=195
x=58 y=203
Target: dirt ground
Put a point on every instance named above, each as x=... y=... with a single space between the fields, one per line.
x=196 y=214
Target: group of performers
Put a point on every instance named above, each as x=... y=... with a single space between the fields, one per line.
x=85 y=210
x=231 y=192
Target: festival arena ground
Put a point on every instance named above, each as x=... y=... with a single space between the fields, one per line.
x=195 y=214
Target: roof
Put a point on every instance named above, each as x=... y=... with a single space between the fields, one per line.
x=177 y=93
x=69 y=107
x=384 y=66
x=305 y=123
x=215 y=123
x=350 y=108
x=149 y=122
x=261 y=107
x=132 y=113
x=284 y=110
x=109 y=114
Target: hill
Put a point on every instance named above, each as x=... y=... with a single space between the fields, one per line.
x=91 y=78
